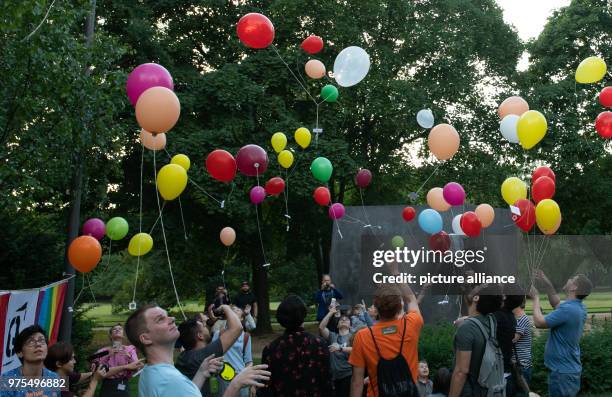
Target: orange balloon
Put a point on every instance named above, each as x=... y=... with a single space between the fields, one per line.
x=512 y=105
x=157 y=109
x=435 y=199
x=315 y=69
x=84 y=253
x=152 y=141
x=227 y=236
x=486 y=214
x=443 y=141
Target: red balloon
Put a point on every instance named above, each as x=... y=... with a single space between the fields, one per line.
x=252 y=160
x=440 y=241
x=470 y=224
x=221 y=165
x=408 y=214
x=322 y=196
x=363 y=178
x=542 y=188
x=527 y=218
x=542 y=171
x=603 y=124
x=605 y=97
x=275 y=186
x=255 y=30
x=312 y=44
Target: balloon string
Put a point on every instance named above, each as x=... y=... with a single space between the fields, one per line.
x=286 y=194
x=263 y=251
x=428 y=178
x=203 y=191
x=104 y=268
x=81 y=291
x=159 y=216
x=182 y=219
x=139 y=227
x=161 y=220
x=224 y=264
x=297 y=162
x=90 y=289
x=293 y=74
x=338 y=226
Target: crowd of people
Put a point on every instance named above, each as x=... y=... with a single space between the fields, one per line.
x=358 y=351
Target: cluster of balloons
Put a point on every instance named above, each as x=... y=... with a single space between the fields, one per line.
x=545 y=212
x=592 y=70
x=302 y=137
x=603 y=122
x=172 y=178
x=519 y=124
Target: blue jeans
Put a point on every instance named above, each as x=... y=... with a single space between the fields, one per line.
x=527 y=376
x=563 y=385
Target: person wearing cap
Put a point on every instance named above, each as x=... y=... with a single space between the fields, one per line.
x=246 y=298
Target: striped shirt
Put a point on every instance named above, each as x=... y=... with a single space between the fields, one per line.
x=523 y=345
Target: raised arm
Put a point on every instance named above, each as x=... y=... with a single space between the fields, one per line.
x=233 y=330
x=538 y=317
x=323 y=330
x=553 y=297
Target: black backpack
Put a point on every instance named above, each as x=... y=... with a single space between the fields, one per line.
x=394 y=376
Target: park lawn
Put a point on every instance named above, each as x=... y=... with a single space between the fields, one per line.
x=597 y=302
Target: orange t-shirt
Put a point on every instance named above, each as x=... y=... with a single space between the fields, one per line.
x=388 y=335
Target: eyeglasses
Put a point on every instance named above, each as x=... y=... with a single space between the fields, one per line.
x=37 y=341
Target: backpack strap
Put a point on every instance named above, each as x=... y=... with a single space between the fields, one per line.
x=402 y=340
x=374 y=339
x=482 y=328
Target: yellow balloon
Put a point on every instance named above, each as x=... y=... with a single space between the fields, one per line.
x=591 y=70
x=182 y=160
x=228 y=372
x=279 y=141
x=140 y=244
x=548 y=215
x=285 y=158
x=513 y=189
x=302 y=137
x=531 y=128
x=171 y=181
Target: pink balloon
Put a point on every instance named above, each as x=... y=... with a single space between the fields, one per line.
x=95 y=228
x=257 y=195
x=252 y=160
x=363 y=178
x=336 y=211
x=453 y=193
x=146 y=76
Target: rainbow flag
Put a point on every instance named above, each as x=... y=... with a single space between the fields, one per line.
x=49 y=310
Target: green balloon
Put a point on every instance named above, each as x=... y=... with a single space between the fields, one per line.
x=321 y=169
x=329 y=93
x=117 y=228
x=397 y=242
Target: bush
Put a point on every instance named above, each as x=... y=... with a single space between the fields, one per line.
x=436 y=345
x=82 y=335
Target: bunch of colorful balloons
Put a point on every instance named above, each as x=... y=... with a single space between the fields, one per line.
x=545 y=212
x=592 y=70
x=519 y=124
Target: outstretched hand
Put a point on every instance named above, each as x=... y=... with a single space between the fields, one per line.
x=253 y=376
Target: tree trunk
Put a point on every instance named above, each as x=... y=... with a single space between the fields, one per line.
x=260 y=284
x=74 y=220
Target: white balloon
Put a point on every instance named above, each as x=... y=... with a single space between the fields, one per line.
x=425 y=118
x=457 y=225
x=351 y=66
x=508 y=128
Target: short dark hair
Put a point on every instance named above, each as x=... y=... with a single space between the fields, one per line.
x=136 y=324
x=291 y=312
x=489 y=299
x=189 y=334
x=25 y=334
x=388 y=302
x=584 y=286
x=513 y=301
x=60 y=352
x=441 y=381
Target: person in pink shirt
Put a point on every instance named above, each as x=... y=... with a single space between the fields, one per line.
x=122 y=362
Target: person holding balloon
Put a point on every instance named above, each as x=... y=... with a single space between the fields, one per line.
x=325 y=296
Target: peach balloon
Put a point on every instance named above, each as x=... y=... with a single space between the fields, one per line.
x=486 y=214
x=157 y=110
x=227 y=236
x=443 y=141
x=315 y=69
x=512 y=105
x=151 y=141
x=435 y=199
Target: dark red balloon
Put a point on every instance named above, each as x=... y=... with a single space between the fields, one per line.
x=255 y=30
x=408 y=214
x=440 y=241
x=322 y=196
x=363 y=178
x=470 y=224
x=221 y=165
x=275 y=186
x=605 y=97
x=543 y=188
x=527 y=218
x=603 y=124
x=312 y=44
x=542 y=171
x=252 y=160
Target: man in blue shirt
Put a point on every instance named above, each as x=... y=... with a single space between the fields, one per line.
x=325 y=295
x=566 y=322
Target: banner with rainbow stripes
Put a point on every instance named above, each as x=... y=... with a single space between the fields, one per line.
x=22 y=308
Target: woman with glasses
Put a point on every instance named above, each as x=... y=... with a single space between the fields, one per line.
x=122 y=363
